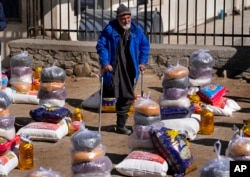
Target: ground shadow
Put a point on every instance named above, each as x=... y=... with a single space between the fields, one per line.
x=211 y=142
x=116 y=158
x=229 y=125
x=108 y=128
x=21 y=122
x=158 y=89
x=74 y=102
x=239 y=99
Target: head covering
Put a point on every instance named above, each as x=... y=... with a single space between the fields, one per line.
x=122 y=10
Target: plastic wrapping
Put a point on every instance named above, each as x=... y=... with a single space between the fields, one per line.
x=141 y=119
x=25 y=79
x=100 y=165
x=21 y=70
x=60 y=94
x=7 y=122
x=5 y=100
x=181 y=102
x=51 y=86
x=142 y=131
x=49 y=114
x=176 y=112
x=173 y=93
x=211 y=93
x=219 y=167
x=85 y=140
x=21 y=59
x=53 y=74
x=176 y=72
x=136 y=143
x=43 y=172
x=200 y=59
x=174 y=148
x=147 y=106
x=196 y=73
x=87 y=156
x=4 y=112
x=52 y=102
x=177 y=83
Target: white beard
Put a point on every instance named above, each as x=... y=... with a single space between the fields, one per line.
x=125 y=27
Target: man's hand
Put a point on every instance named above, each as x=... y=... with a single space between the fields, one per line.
x=107 y=68
x=142 y=67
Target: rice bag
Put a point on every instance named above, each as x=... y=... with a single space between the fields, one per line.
x=174 y=148
x=219 y=167
x=176 y=112
x=143 y=163
x=49 y=114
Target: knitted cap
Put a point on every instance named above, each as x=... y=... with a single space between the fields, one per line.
x=123 y=10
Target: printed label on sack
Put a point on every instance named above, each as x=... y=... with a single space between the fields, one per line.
x=43 y=125
x=140 y=155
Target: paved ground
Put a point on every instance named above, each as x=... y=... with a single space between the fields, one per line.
x=57 y=155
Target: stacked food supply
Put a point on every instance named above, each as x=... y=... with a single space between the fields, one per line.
x=50 y=117
x=8 y=137
x=88 y=154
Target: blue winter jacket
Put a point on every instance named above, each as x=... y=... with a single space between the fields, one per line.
x=2 y=18
x=108 y=42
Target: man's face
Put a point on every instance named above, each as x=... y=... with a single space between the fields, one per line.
x=125 y=21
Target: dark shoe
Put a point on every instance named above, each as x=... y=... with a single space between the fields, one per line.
x=123 y=130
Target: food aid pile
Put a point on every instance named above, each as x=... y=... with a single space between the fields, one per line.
x=18 y=81
x=163 y=129
x=88 y=154
x=8 y=138
x=50 y=116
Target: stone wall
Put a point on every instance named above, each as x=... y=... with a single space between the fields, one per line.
x=80 y=59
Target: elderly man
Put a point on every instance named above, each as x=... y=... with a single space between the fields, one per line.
x=123 y=52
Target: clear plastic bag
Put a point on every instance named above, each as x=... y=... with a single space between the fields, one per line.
x=53 y=74
x=219 y=167
x=44 y=173
x=175 y=72
x=200 y=59
x=85 y=140
x=5 y=101
x=21 y=59
x=147 y=107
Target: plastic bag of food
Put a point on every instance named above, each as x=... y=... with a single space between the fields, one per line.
x=43 y=172
x=177 y=83
x=5 y=100
x=87 y=156
x=142 y=131
x=53 y=74
x=200 y=59
x=21 y=59
x=85 y=140
x=195 y=73
x=141 y=119
x=100 y=165
x=60 y=94
x=219 y=167
x=51 y=86
x=174 y=93
x=147 y=106
x=7 y=122
x=176 y=72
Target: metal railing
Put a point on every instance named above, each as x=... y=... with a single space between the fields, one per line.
x=194 y=22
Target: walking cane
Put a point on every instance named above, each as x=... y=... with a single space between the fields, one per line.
x=142 y=84
x=100 y=106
